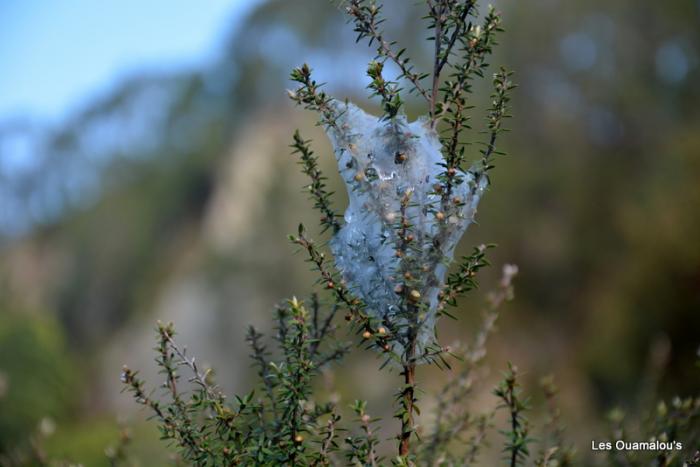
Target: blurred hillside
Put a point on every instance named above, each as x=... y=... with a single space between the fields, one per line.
x=171 y=199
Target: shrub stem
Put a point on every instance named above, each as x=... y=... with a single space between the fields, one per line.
x=408 y=407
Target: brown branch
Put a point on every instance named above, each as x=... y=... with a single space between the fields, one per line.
x=408 y=403
x=366 y=25
x=436 y=67
x=455 y=34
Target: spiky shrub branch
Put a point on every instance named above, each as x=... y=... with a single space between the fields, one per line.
x=428 y=221
x=517 y=436
x=457 y=434
x=279 y=427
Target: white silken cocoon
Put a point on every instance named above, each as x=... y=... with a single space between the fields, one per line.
x=380 y=160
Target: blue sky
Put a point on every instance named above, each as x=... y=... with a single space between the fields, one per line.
x=54 y=54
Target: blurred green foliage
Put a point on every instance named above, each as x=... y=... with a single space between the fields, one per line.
x=87 y=442
x=38 y=377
